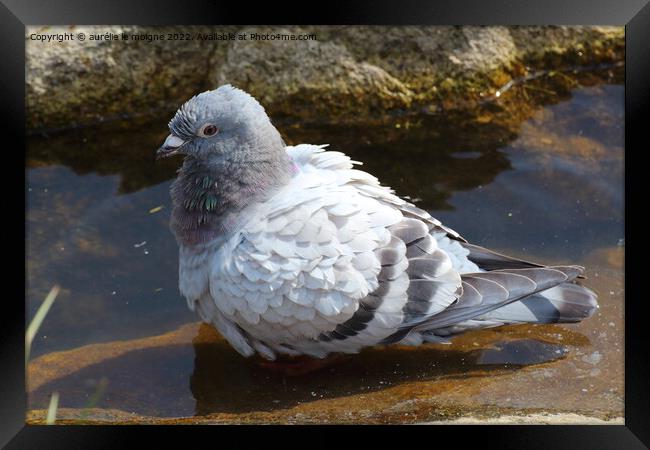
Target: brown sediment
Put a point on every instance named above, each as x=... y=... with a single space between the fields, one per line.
x=59 y=364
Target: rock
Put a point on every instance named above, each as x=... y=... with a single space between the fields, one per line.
x=76 y=82
x=536 y=419
x=309 y=78
x=344 y=74
x=576 y=43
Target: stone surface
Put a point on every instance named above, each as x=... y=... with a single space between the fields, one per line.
x=532 y=419
x=76 y=82
x=345 y=74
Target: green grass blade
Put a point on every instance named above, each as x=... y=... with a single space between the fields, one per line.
x=51 y=410
x=33 y=327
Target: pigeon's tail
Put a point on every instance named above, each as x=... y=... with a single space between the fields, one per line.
x=565 y=303
x=553 y=301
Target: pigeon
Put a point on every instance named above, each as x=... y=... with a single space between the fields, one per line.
x=292 y=251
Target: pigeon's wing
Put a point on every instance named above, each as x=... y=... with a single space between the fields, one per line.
x=490 y=260
x=332 y=263
x=367 y=184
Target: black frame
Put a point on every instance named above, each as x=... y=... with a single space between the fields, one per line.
x=634 y=14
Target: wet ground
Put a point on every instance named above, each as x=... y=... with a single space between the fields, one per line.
x=119 y=344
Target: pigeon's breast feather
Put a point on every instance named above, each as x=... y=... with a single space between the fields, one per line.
x=301 y=261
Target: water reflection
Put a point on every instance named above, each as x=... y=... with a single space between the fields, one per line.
x=521 y=352
x=226 y=385
x=124 y=148
x=154 y=381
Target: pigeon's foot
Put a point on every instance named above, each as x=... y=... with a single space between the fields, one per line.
x=301 y=365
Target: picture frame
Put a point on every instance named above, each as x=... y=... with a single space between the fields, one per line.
x=634 y=14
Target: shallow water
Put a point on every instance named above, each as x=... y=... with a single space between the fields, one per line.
x=548 y=189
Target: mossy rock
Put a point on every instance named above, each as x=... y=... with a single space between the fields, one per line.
x=345 y=74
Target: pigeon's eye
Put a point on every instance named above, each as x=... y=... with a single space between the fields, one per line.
x=208 y=130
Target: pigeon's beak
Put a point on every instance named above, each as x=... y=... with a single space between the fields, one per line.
x=170 y=147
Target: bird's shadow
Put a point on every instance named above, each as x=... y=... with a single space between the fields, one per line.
x=209 y=377
x=224 y=383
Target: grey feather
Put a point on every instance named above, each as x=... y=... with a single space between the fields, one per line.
x=391 y=272
x=564 y=303
x=409 y=230
x=410 y=210
x=422 y=291
x=517 y=283
x=421 y=247
x=426 y=267
x=389 y=287
x=371 y=302
x=490 y=260
x=392 y=253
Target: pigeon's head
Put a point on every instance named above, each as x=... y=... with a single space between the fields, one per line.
x=218 y=123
